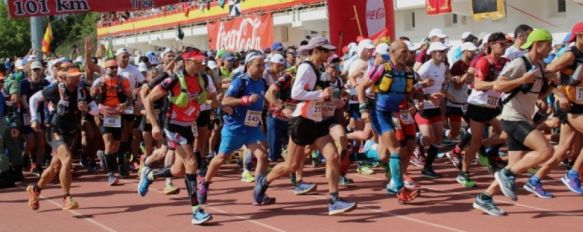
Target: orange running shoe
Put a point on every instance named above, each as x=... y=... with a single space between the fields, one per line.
x=32 y=197
x=406 y=195
x=69 y=203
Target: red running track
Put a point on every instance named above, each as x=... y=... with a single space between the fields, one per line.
x=443 y=206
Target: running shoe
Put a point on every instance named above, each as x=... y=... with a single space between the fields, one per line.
x=33 y=197
x=364 y=169
x=537 y=190
x=345 y=181
x=429 y=173
x=455 y=159
x=488 y=206
x=200 y=217
x=406 y=195
x=259 y=196
x=170 y=189
x=418 y=158
x=202 y=192
x=506 y=184
x=573 y=184
x=112 y=180
x=340 y=206
x=145 y=182
x=37 y=170
x=391 y=189
x=69 y=203
x=303 y=188
x=464 y=179
x=247 y=177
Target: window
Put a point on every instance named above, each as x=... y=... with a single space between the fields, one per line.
x=412 y=19
x=454 y=19
x=561 y=6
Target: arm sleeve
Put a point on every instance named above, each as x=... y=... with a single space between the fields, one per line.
x=168 y=83
x=33 y=105
x=302 y=83
x=158 y=80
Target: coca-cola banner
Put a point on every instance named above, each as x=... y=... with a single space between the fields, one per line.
x=359 y=18
x=435 y=7
x=242 y=33
x=28 y=8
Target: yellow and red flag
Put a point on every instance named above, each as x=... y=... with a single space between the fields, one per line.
x=47 y=39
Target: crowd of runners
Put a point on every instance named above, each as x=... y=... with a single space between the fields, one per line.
x=508 y=103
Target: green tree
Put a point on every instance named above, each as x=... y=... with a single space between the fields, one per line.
x=14 y=34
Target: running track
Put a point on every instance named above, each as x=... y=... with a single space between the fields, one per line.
x=443 y=206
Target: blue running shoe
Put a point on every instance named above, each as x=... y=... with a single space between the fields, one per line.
x=112 y=180
x=304 y=188
x=488 y=206
x=537 y=190
x=340 y=206
x=573 y=184
x=259 y=196
x=200 y=217
x=144 y=183
x=506 y=184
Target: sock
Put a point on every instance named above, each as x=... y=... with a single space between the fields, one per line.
x=465 y=140
x=121 y=160
x=395 y=164
x=293 y=178
x=247 y=161
x=387 y=169
x=110 y=163
x=123 y=147
x=534 y=180
x=333 y=198
x=190 y=182
x=431 y=155
x=507 y=172
x=484 y=196
x=163 y=172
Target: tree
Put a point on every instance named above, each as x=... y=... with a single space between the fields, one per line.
x=14 y=34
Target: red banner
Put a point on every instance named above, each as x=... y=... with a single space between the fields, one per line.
x=359 y=18
x=435 y=7
x=241 y=33
x=28 y=8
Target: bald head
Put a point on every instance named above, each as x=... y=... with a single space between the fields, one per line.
x=399 y=52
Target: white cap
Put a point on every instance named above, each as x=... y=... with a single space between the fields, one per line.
x=142 y=67
x=466 y=34
x=276 y=59
x=36 y=64
x=152 y=58
x=365 y=43
x=19 y=64
x=436 y=46
x=437 y=32
x=122 y=51
x=412 y=47
x=166 y=51
x=382 y=49
x=485 y=39
x=211 y=64
x=468 y=46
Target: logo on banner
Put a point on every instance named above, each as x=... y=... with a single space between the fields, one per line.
x=375 y=16
x=243 y=38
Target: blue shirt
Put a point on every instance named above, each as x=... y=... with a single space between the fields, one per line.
x=244 y=86
x=390 y=101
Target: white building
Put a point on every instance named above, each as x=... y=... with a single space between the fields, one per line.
x=291 y=26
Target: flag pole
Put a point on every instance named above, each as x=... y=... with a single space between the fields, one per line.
x=357 y=20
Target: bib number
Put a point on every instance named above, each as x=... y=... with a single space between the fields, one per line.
x=26 y=119
x=492 y=101
x=252 y=118
x=112 y=121
x=318 y=109
x=329 y=109
x=405 y=116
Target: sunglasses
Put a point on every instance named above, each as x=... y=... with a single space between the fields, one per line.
x=36 y=69
x=112 y=67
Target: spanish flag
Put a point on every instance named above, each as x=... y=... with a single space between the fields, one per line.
x=47 y=39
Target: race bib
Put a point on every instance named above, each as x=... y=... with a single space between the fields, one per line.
x=129 y=110
x=406 y=117
x=112 y=121
x=492 y=101
x=26 y=119
x=579 y=94
x=252 y=118
x=318 y=109
x=329 y=108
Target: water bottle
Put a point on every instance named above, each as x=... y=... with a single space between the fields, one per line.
x=577 y=75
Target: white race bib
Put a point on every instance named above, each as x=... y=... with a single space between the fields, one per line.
x=406 y=117
x=329 y=108
x=493 y=101
x=318 y=109
x=26 y=119
x=252 y=118
x=112 y=121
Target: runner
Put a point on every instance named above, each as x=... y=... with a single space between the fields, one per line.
x=306 y=128
x=186 y=94
x=524 y=81
x=67 y=101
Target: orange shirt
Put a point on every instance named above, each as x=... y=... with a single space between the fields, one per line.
x=111 y=91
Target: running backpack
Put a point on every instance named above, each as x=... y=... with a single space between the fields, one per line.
x=100 y=98
x=384 y=82
x=525 y=88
